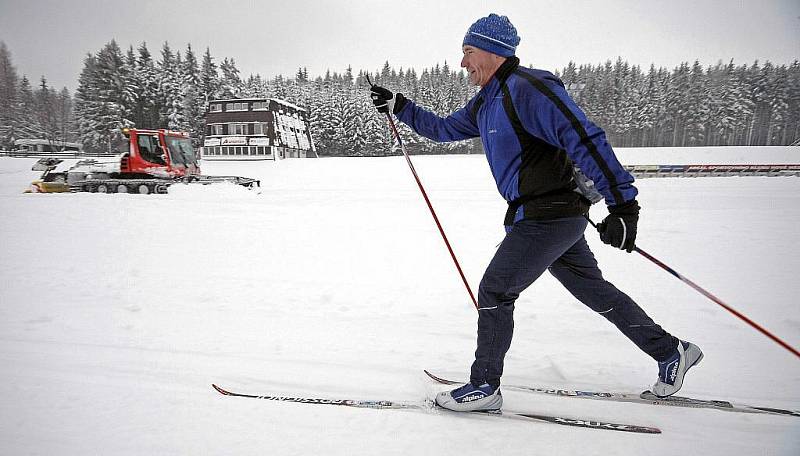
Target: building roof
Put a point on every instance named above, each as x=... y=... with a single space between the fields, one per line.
x=277 y=100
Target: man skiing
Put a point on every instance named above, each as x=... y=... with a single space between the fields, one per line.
x=534 y=135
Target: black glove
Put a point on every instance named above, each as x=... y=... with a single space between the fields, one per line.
x=385 y=101
x=619 y=228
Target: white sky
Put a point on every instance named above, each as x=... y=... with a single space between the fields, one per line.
x=51 y=38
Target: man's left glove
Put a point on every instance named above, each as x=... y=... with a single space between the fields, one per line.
x=619 y=228
x=385 y=101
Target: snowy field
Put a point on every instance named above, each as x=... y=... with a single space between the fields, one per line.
x=117 y=312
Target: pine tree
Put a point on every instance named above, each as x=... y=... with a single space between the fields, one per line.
x=146 y=79
x=348 y=76
x=623 y=101
x=86 y=104
x=26 y=110
x=209 y=79
x=9 y=104
x=101 y=102
x=44 y=121
x=648 y=106
x=677 y=93
x=696 y=108
x=727 y=105
x=230 y=83
x=193 y=104
x=169 y=90
x=778 y=99
x=65 y=120
x=755 y=81
x=133 y=87
x=605 y=99
x=793 y=117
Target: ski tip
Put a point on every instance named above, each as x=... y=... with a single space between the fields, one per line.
x=435 y=378
x=220 y=390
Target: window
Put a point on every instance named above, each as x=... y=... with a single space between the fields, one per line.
x=215 y=107
x=260 y=129
x=235 y=106
x=215 y=129
x=150 y=149
x=237 y=129
x=260 y=105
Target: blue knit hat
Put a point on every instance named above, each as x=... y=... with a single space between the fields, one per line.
x=493 y=34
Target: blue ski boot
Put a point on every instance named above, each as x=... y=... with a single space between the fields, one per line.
x=471 y=398
x=672 y=371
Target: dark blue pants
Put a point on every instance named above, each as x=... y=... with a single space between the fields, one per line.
x=528 y=250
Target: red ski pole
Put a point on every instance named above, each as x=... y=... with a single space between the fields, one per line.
x=430 y=206
x=710 y=296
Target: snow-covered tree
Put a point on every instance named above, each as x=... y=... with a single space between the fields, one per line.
x=26 y=107
x=230 y=83
x=689 y=105
x=209 y=79
x=9 y=104
x=102 y=105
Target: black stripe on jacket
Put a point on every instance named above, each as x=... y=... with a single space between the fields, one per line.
x=576 y=125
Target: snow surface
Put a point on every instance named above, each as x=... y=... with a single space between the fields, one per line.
x=117 y=312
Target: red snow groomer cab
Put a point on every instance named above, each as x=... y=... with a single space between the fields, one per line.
x=152 y=161
x=159 y=153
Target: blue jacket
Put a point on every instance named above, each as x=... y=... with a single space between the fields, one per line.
x=533 y=134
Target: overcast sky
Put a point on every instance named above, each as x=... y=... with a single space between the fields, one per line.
x=52 y=37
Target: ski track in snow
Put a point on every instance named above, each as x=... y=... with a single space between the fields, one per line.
x=117 y=312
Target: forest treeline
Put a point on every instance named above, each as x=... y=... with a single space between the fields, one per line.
x=690 y=105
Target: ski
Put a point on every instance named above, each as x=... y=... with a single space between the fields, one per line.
x=430 y=405
x=646 y=397
x=320 y=401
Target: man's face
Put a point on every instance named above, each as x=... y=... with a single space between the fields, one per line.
x=480 y=64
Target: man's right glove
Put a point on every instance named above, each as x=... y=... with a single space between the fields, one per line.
x=619 y=228
x=385 y=101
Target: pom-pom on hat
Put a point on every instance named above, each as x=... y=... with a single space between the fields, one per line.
x=493 y=34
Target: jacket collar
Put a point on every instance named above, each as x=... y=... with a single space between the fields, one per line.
x=500 y=77
x=506 y=69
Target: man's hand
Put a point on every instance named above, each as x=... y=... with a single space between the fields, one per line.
x=385 y=101
x=619 y=228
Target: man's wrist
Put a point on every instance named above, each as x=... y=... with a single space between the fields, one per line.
x=399 y=103
x=627 y=208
